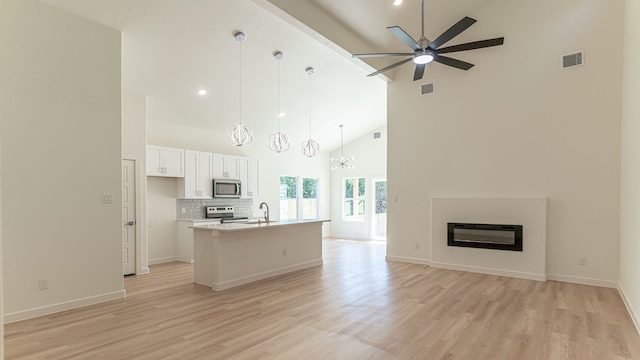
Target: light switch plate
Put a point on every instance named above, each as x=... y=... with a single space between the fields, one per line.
x=107 y=198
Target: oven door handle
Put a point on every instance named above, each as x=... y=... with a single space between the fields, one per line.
x=238 y=188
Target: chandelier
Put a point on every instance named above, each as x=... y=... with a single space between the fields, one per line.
x=342 y=163
x=240 y=134
x=278 y=142
x=310 y=147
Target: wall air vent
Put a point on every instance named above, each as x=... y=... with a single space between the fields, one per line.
x=573 y=60
x=426 y=89
x=376 y=135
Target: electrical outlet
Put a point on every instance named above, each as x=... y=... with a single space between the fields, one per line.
x=43 y=284
x=284 y=252
x=417 y=246
x=583 y=260
x=184 y=210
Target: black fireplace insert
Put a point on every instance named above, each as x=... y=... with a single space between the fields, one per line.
x=486 y=236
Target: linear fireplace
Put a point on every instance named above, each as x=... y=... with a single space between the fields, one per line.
x=487 y=236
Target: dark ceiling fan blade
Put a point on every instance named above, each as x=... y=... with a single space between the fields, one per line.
x=404 y=37
x=380 y=55
x=417 y=75
x=452 y=62
x=452 y=32
x=390 y=67
x=472 y=45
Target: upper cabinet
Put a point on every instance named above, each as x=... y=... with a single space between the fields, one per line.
x=225 y=167
x=197 y=176
x=249 y=175
x=165 y=161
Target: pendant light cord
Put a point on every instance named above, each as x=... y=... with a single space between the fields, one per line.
x=240 y=87
x=341 y=141
x=279 y=108
x=310 y=73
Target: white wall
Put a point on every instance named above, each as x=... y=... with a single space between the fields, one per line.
x=61 y=150
x=516 y=125
x=161 y=219
x=272 y=165
x=1 y=266
x=630 y=163
x=370 y=162
x=134 y=142
x=531 y=213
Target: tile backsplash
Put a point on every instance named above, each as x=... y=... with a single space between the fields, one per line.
x=194 y=208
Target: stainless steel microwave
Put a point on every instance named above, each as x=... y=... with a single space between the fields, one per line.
x=224 y=188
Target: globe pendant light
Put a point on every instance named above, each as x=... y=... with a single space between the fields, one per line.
x=278 y=142
x=240 y=134
x=310 y=147
x=342 y=163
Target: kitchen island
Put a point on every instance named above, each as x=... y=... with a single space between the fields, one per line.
x=232 y=254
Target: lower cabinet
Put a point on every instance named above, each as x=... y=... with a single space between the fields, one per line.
x=184 y=245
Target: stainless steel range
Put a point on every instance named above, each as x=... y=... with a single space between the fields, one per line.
x=224 y=213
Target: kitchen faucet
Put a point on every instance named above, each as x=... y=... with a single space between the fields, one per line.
x=266 y=213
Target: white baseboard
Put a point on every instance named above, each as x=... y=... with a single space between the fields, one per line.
x=632 y=312
x=69 y=305
x=349 y=237
x=143 y=271
x=163 y=260
x=264 y=275
x=408 y=260
x=490 y=271
x=583 y=281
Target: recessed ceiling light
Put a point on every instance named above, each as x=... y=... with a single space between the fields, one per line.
x=281 y=114
x=397 y=2
x=202 y=92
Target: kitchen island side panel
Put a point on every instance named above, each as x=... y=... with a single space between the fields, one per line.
x=232 y=258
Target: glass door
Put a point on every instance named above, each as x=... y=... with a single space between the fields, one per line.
x=379 y=221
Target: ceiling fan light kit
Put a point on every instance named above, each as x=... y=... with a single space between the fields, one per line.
x=423 y=57
x=240 y=134
x=425 y=51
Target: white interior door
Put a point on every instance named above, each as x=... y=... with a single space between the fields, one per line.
x=128 y=217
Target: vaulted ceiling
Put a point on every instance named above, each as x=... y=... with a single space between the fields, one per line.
x=173 y=48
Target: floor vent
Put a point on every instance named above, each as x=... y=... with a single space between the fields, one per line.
x=573 y=60
x=376 y=135
x=426 y=89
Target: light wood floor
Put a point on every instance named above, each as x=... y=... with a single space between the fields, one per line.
x=355 y=306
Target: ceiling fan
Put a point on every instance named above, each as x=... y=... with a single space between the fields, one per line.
x=425 y=51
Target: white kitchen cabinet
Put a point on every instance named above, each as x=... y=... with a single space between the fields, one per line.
x=165 y=161
x=250 y=177
x=196 y=183
x=225 y=167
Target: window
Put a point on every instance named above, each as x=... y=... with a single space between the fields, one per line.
x=288 y=197
x=353 y=199
x=298 y=198
x=309 y=198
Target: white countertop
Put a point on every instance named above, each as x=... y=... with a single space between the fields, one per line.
x=252 y=226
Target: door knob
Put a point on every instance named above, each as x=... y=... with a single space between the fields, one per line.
x=130 y=223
